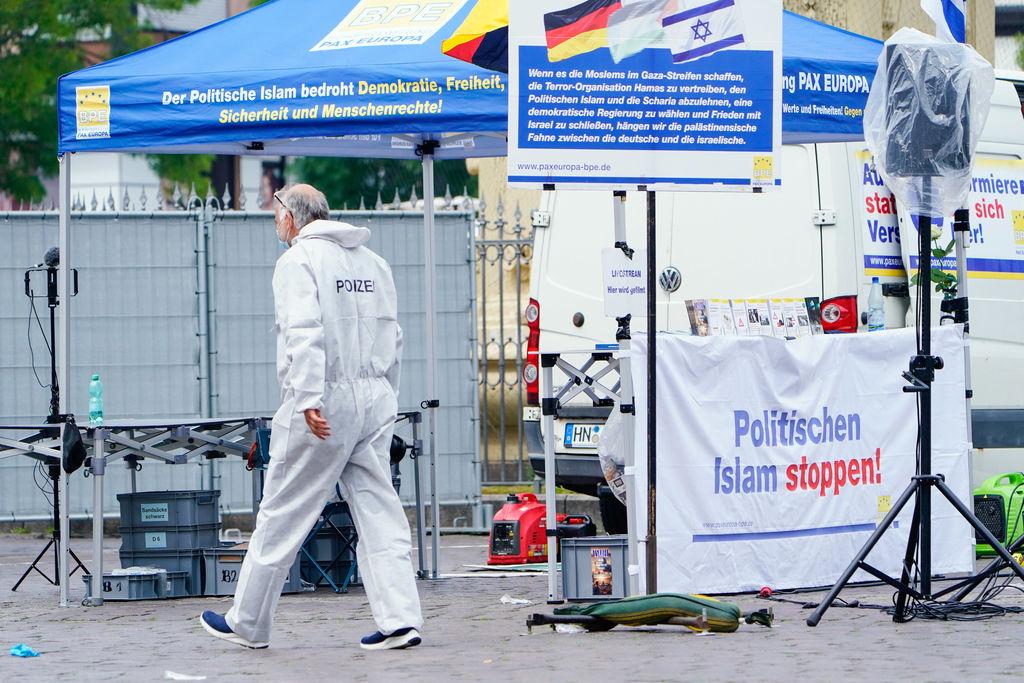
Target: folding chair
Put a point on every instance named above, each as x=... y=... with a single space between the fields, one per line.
x=346 y=535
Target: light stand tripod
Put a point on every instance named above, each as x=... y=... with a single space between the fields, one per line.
x=55 y=418
x=927 y=135
x=921 y=375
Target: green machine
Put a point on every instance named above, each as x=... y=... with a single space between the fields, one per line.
x=997 y=503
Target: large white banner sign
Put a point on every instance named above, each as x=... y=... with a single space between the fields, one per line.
x=777 y=459
x=659 y=93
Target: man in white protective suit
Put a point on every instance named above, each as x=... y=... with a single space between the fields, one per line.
x=338 y=354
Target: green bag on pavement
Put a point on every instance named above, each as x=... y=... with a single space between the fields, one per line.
x=650 y=610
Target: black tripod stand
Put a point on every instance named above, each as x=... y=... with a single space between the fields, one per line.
x=921 y=375
x=54 y=418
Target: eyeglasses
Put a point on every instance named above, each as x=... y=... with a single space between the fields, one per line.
x=286 y=207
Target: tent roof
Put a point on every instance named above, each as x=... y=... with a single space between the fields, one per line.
x=807 y=39
x=275 y=46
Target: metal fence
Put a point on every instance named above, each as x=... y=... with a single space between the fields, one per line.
x=504 y=249
x=175 y=313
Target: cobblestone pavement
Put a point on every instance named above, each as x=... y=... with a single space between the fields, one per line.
x=471 y=636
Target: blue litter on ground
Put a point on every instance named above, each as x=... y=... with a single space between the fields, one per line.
x=23 y=650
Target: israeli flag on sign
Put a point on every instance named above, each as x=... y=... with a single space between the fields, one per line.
x=950 y=17
x=702 y=29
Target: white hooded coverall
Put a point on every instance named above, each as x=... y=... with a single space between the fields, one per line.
x=338 y=349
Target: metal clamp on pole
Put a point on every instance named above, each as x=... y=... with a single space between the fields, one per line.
x=962 y=220
x=959 y=308
x=922 y=373
x=432 y=403
x=427 y=148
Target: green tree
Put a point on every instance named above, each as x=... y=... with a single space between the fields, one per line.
x=39 y=41
x=183 y=169
x=345 y=181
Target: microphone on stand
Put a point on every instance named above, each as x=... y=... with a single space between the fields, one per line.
x=51 y=259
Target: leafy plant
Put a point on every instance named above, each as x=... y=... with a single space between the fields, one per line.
x=945 y=283
x=185 y=170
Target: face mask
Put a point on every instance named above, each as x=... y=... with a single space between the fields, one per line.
x=280 y=242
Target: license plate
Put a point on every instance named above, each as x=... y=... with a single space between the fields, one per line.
x=581 y=435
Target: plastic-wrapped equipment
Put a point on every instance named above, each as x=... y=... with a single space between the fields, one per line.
x=611 y=451
x=928 y=105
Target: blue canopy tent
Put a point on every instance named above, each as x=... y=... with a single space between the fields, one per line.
x=351 y=78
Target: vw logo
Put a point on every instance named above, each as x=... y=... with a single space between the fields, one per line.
x=671 y=279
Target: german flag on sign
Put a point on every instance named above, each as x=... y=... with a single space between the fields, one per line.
x=579 y=29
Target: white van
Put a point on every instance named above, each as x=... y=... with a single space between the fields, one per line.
x=824 y=234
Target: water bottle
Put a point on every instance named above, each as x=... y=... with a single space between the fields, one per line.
x=876 y=307
x=95 y=402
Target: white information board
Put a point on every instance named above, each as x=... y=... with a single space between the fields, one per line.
x=663 y=94
x=625 y=283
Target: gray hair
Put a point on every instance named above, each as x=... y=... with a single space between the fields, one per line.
x=306 y=203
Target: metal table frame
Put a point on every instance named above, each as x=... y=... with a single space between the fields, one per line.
x=588 y=380
x=177 y=442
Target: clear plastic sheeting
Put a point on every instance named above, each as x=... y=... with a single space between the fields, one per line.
x=611 y=451
x=927 y=108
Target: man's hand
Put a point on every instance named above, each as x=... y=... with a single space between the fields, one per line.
x=317 y=424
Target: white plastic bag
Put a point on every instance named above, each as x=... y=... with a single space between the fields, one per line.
x=925 y=154
x=611 y=451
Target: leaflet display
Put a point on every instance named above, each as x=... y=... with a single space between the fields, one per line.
x=656 y=93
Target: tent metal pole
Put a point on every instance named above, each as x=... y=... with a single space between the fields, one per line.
x=549 y=404
x=961 y=227
x=64 y=361
x=628 y=401
x=652 y=393
x=432 y=403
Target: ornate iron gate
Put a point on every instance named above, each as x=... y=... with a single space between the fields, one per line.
x=504 y=250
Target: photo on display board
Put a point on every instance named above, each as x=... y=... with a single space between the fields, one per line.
x=728 y=323
x=753 y=318
x=697 y=309
x=715 y=317
x=778 y=318
x=761 y=306
x=802 y=319
x=739 y=316
x=814 y=314
x=789 y=313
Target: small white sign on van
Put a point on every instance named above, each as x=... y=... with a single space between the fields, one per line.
x=625 y=283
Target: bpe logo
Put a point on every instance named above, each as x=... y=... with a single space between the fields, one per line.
x=390 y=22
x=764 y=171
x=92 y=112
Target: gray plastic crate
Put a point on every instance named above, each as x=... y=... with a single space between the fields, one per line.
x=594 y=568
x=169 y=537
x=176 y=585
x=116 y=587
x=188 y=561
x=169 y=508
x=222 y=566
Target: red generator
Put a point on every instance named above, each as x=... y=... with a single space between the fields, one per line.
x=518 y=534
